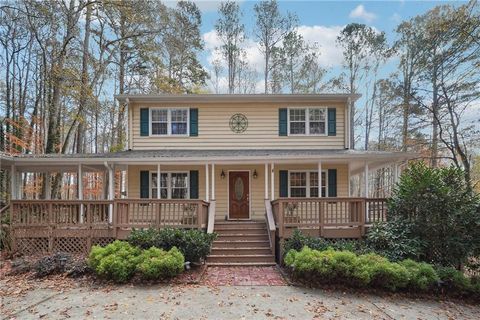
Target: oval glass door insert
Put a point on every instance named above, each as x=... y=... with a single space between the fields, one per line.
x=239 y=189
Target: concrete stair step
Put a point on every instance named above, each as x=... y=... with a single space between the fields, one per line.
x=241 y=243
x=241 y=251
x=241 y=258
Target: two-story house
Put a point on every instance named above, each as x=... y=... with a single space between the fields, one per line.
x=250 y=167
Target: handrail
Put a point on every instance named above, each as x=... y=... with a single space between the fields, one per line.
x=270 y=219
x=4 y=209
x=211 y=216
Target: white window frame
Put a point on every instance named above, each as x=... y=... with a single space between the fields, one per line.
x=307 y=122
x=169 y=184
x=169 y=123
x=307 y=194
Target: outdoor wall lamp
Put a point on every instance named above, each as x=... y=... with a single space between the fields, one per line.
x=222 y=174
x=255 y=174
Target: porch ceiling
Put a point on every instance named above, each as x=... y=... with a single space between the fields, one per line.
x=95 y=162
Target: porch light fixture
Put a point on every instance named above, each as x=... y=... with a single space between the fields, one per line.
x=255 y=174
x=222 y=174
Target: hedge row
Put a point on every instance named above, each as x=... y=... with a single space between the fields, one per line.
x=119 y=261
x=371 y=270
x=195 y=245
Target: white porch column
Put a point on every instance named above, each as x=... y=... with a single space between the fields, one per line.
x=158 y=181
x=111 y=191
x=48 y=186
x=207 y=184
x=213 y=181
x=366 y=180
x=80 y=189
x=272 y=177
x=13 y=182
x=266 y=181
x=319 y=179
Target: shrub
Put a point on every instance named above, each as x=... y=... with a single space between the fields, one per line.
x=422 y=275
x=366 y=270
x=157 y=263
x=56 y=263
x=117 y=261
x=298 y=240
x=442 y=210
x=194 y=244
x=453 y=280
x=394 y=240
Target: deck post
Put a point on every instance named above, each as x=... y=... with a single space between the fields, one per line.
x=207 y=184
x=158 y=181
x=48 y=186
x=213 y=181
x=272 y=177
x=80 y=189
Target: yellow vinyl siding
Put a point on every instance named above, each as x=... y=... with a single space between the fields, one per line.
x=257 y=186
x=214 y=130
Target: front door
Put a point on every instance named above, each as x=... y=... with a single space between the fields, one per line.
x=239 y=194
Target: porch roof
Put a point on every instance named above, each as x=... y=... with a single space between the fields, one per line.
x=232 y=98
x=96 y=161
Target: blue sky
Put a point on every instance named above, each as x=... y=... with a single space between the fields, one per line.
x=319 y=22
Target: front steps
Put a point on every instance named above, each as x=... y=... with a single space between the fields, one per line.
x=241 y=243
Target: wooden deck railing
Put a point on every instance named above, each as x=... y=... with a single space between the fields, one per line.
x=142 y=213
x=331 y=217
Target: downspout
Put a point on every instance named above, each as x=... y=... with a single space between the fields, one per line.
x=127 y=103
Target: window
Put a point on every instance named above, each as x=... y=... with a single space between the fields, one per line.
x=304 y=184
x=307 y=121
x=173 y=185
x=169 y=122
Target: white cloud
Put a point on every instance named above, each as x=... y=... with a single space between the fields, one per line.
x=203 y=5
x=360 y=13
x=325 y=37
x=396 y=18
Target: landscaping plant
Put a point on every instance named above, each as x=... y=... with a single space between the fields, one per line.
x=440 y=216
x=195 y=245
x=117 y=261
x=157 y=263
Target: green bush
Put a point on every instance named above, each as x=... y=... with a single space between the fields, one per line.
x=443 y=213
x=298 y=240
x=454 y=280
x=117 y=261
x=157 y=263
x=422 y=275
x=194 y=244
x=394 y=240
x=365 y=270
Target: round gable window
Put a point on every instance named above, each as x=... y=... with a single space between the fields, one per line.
x=238 y=123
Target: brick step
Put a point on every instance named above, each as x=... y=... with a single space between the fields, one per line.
x=227 y=258
x=249 y=230
x=241 y=244
x=241 y=251
x=242 y=236
x=240 y=264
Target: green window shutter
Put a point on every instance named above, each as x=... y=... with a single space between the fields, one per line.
x=193 y=184
x=283 y=183
x=332 y=182
x=282 y=122
x=193 y=122
x=144 y=122
x=332 y=121
x=144 y=184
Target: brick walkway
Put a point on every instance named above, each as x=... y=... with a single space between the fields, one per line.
x=243 y=276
